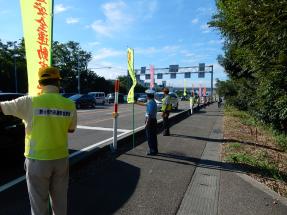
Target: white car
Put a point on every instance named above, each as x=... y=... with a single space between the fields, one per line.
x=99 y=97
x=173 y=98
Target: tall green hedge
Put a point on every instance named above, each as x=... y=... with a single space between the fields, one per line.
x=255 y=58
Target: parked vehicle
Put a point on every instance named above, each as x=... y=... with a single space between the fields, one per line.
x=184 y=98
x=125 y=98
x=137 y=95
x=67 y=95
x=142 y=98
x=173 y=98
x=83 y=101
x=12 y=130
x=99 y=97
x=111 y=98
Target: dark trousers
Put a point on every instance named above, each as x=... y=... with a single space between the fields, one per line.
x=151 y=132
x=165 y=124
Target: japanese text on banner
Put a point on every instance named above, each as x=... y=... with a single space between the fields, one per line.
x=37 y=26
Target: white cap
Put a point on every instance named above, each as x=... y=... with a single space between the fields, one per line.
x=150 y=91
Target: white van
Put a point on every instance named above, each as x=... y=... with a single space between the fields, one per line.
x=99 y=97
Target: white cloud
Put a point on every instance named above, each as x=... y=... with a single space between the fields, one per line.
x=187 y=53
x=107 y=69
x=190 y=58
x=205 y=11
x=72 y=20
x=169 y=49
x=205 y=28
x=96 y=43
x=107 y=53
x=219 y=72
x=216 y=41
x=116 y=19
x=59 y=8
x=150 y=9
x=194 y=21
x=146 y=51
x=144 y=9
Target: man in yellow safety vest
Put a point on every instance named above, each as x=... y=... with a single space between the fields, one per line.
x=166 y=108
x=48 y=119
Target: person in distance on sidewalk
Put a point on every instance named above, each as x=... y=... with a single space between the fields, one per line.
x=166 y=108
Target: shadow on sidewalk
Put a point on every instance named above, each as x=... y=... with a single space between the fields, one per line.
x=185 y=160
x=210 y=164
x=226 y=141
x=198 y=138
x=104 y=190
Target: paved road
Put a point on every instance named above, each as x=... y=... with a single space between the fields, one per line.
x=134 y=183
x=186 y=177
x=95 y=127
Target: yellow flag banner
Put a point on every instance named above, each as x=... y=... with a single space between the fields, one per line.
x=132 y=74
x=37 y=27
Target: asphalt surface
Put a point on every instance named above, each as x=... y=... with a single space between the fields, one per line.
x=95 y=126
x=130 y=182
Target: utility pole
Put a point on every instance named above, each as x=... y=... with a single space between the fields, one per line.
x=15 y=68
x=15 y=74
x=211 y=81
x=79 y=82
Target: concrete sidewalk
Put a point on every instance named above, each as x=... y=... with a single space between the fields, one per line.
x=187 y=177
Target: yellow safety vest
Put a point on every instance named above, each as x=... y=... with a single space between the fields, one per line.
x=191 y=100
x=52 y=116
x=166 y=104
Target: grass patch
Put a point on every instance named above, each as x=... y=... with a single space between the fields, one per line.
x=256 y=148
x=253 y=125
x=234 y=146
x=281 y=140
x=232 y=111
x=258 y=161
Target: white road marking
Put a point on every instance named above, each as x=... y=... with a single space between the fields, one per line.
x=106 y=119
x=101 y=128
x=94 y=145
x=12 y=183
x=22 y=178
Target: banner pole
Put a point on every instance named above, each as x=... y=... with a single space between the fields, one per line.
x=133 y=125
x=115 y=116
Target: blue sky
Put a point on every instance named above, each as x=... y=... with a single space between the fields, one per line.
x=161 y=32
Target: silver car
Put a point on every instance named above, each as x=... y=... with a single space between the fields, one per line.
x=173 y=98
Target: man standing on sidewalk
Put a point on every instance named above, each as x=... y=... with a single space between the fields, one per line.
x=191 y=102
x=48 y=118
x=151 y=123
x=166 y=108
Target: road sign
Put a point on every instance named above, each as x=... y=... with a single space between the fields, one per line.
x=159 y=76
x=143 y=69
x=173 y=75
x=173 y=68
x=201 y=67
x=187 y=75
x=201 y=75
